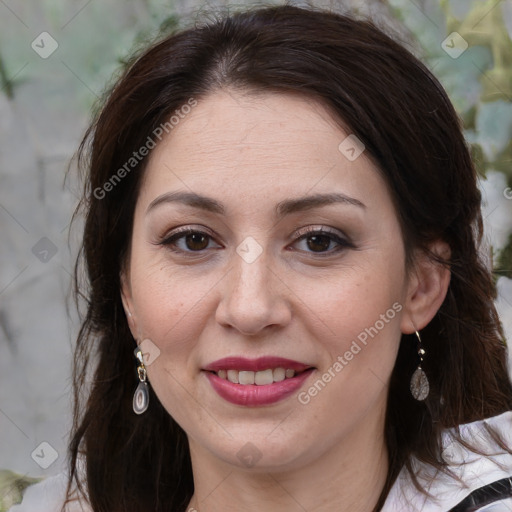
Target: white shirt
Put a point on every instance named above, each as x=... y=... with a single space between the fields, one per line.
x=474 y=470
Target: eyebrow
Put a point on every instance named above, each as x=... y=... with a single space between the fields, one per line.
x=283 y=208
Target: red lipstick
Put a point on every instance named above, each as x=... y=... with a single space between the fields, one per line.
x=255 y=365
x=253 y=395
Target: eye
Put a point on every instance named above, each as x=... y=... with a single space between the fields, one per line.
x=187 y=240
x=320 y=240
x=317 y=241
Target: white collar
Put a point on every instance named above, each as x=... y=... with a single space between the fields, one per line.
x=474 y=470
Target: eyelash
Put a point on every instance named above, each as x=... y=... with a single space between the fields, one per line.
x=170 y=240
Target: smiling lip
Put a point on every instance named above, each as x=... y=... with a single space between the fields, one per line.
x=251 y=394
x=255 y=365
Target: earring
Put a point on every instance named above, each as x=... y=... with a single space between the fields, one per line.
x=141 y=395
x=420 y=387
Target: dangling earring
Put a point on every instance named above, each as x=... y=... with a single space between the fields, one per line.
x=141 y=395
x=419 y=382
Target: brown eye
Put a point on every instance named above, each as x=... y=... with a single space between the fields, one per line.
x=322 y=242
x=319 y=243
x=187 y=241
x=196 y=241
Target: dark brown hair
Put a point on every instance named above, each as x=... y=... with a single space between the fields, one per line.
x=398 y=109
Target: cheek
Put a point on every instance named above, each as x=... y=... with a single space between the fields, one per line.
x=160 y=302
x=357 y=320
x=360 y=336
x=170 y=319
x=173 y=309
x=355 y=299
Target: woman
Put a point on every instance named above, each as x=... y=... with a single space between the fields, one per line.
x=282 y=219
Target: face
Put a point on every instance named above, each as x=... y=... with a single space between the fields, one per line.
x=258 y=239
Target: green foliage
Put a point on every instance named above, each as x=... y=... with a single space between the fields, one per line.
x=504 y=265
x=8 y=83
x=5 y=83
x=479 y=81
x=12 y=487
x=169 y=24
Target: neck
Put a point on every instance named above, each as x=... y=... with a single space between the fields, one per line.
x=346 y=477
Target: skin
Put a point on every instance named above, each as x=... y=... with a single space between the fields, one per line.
x=250 y=151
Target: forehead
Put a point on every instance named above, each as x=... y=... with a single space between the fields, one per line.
x=258 y=145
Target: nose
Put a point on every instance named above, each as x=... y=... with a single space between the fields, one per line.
x=254 y=297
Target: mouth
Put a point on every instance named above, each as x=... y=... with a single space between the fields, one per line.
x=253 y=382
x=259 y=378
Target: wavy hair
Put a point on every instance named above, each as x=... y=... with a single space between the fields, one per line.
x=379 y=91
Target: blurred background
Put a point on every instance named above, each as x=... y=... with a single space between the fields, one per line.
x=58 y=57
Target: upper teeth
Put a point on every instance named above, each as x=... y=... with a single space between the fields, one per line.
x=260 y=378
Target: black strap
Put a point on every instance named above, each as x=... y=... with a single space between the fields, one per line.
x=485 y=496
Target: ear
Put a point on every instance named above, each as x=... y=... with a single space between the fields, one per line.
x=126 y=298
x=426 y=290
